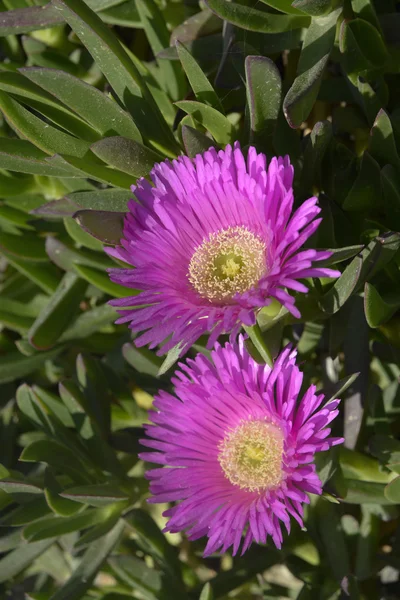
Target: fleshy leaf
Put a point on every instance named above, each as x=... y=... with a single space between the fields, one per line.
x=314 y=57
x=126 y=155
x=256 y=20
x=264 y=90
x=103 y=225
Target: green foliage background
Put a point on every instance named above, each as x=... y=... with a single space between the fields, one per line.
x=91 y=95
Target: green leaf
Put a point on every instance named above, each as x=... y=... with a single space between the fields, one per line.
x=120 y=71
x=153 y=539
x=314 y=8
x=97 y=531
x=138 y=576
x=392 y=490
x=365 y=9
x=21 y=491
x=377 y=309
x=201 y=24
x=53 y=404
x=103 y=283
x=366 y=190
x=44 y=136
x=19 y=559
x=310 y=337
x=142 y=359
x=100 y=111
x=15 y=322
x=126 y=155
x=29 y=247
x=92 y=378
x=111 y=200
x=362 y=47
x=206 y=593
x=340 y=254
x=56 y=316
x=83 y=576
x=366 y=492
x=217 y=124
x=343 y=287
x=53 y=526
x=103 y=225
x=333 y=539
x=33 y=18
x=90 y=322
x=284 y=6
x=28 y=19
x=60 y=506
x=170 y=359
x=14 y=366
x=80 y=237
x=95 y=495
x=202 y=88
x=387 y=450
x=357 y=465
x=87 y=167
x=54 y=454
x=382 y=145
x=314 y=57
x=256 y=336
x=125 y=14
x=264 y=91
x=195 y=142
x=337 y=389
x=65 y=257
x=318 y=143
x=26 y=513
x=157 y=34
x=27 y=92
x=24 y=157
x=391 y=195
x=256 y=20
x=371 y=260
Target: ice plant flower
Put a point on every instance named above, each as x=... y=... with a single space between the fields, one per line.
x=213 y=240
x=236 y=445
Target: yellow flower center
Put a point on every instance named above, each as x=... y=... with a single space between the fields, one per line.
x=228 y=262
x=251 y=456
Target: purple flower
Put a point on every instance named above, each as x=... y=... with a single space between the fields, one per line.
x=236 y=446
x=213 y=241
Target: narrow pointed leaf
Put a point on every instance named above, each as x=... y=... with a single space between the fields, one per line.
x=256 y=20
x=16 y=561
x=202 y=88
x=100 y=111
x=126 y=155
x=158 y=36
x=103 y=225
x=49 y=139
x=195 y=142
x=118 y=68
x=264 y=91
x=219 y=126
x=314 y=57
x=57 y=315
x=90 y=564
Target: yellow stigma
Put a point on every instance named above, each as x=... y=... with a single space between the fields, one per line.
x=228 y=262
x=251 y=456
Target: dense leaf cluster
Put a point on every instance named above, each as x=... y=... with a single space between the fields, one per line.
x=92 y=94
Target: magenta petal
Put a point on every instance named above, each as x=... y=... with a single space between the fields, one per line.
x=212 y=398
x=187 y=201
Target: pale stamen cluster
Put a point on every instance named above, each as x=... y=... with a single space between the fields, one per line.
x=251 y=455
x=228 y=262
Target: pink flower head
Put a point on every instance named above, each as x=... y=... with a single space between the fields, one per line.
x=236 y=446
x=213 y=240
